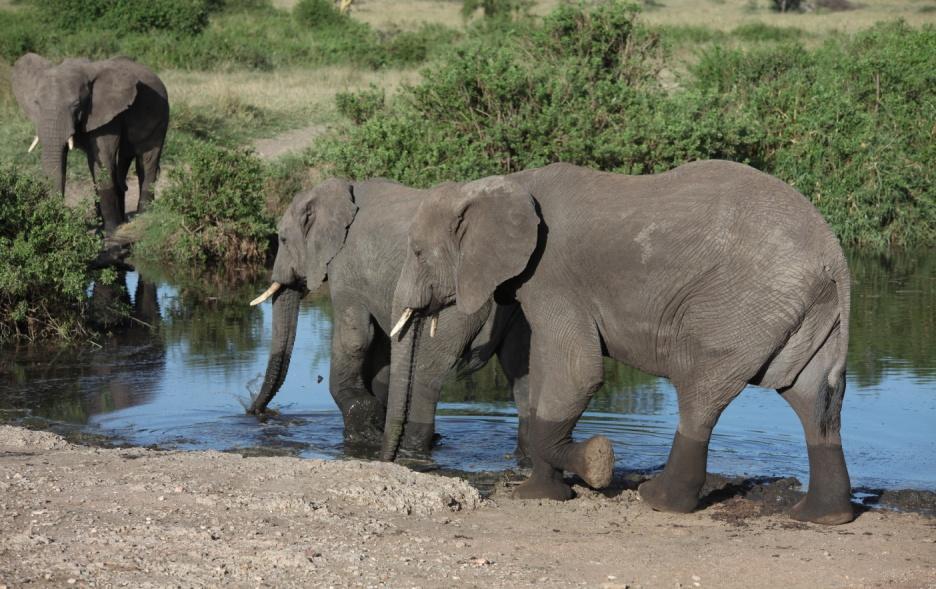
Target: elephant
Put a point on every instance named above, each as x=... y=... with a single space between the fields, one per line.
x=115 y=110
x=352 y=236
x=713 y=274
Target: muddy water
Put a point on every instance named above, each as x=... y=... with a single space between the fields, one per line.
x=178 y=373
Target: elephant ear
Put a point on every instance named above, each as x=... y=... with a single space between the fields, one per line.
x=496 y=233
x=113 y=90
x=324 y=217
x=28 y=72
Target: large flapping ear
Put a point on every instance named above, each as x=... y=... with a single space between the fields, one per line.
x=113 y=90
x=324 y=218
x=28 y=72
x=496 y=234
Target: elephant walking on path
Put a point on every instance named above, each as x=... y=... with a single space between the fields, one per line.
x=354 y=234
x=713 y=274
x=116 y=111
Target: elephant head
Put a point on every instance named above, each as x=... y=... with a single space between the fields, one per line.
x=464 y=242
x=311 y=233
x=66 y=101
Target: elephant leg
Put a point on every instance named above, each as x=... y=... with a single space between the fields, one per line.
x=124 y=160
x=377 y=368
x=104 y=149
x=435 y=358
x=352 y=336
x=147 y=170
x=828 y=500
x=514 y=357
x=565 y=371
x=701 y=403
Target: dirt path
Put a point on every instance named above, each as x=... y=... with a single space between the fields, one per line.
x=79 y=516
x=288 y=142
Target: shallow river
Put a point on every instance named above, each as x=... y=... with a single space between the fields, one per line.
x=179 y=375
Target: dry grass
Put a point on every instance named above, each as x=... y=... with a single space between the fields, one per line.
x=716 y=14
x=727 y=15
x=301 y=94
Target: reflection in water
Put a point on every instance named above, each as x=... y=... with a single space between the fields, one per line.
x=185 y=356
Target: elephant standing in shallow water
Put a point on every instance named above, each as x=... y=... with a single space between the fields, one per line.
x=713 y=274
x=354 y=234
x=116 y=111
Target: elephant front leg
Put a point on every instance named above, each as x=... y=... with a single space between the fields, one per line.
x=565 y=371
x=514 y=357
x=102 y=159
x=363 y=413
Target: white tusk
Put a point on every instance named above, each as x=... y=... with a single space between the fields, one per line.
x=33 y=145
x=433 y=323
x=266 y=294
x=407 y=313
x=71 y=143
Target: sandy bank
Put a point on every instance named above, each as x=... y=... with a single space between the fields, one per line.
x=73 y=516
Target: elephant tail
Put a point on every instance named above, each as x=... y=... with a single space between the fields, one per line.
x=831 y=403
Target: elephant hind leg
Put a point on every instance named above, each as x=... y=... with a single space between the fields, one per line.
x=817 y=404
x=147 y=169
x=701 y=403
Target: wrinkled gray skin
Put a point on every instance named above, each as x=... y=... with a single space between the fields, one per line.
x=354 y=234
x=116 y=110
x=714 y=275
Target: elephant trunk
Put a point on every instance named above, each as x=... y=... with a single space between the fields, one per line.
x=401 y=389
x=285 y=318
x=52 y=136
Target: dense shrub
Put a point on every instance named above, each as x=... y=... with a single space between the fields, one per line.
x=360 y=106
x=213 y=210
x=187 y=17
x=45 y=249
x=316 y=14
x=844 y=123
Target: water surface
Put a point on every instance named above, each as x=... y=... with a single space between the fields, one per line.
x=179 y=373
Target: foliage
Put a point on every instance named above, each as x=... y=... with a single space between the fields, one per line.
x=360 y=106
x=45 y=249
x=842 y=123
x=242 y=33
x=213 y=210
x=187 y=17
x=318 y=14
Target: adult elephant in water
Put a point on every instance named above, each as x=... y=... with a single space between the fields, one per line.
x=116 y=111
x=713 y=274
x=354 y=235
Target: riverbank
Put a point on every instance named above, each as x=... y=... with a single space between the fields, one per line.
x=80 y=516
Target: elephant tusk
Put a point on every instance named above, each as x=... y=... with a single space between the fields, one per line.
x=71 y=143
x=433 y=323
x=407 y=313
x=33 y=145
x=266 y=294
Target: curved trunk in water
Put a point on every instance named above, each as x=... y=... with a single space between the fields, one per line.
x=285 y=318
x=403 y=364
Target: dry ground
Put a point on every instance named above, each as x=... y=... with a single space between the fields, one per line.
x=74 y=516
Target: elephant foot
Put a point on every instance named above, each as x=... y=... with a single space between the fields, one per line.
x=145 y=201
x=418 y=440
x=828 y=500
x=660 y=494
x=677 y=488
x=594 y=461
x=544 y=487
x=363 y=420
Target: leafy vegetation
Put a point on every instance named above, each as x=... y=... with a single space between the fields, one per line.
x=212 y=212
x=841 y=122
x=45 y=252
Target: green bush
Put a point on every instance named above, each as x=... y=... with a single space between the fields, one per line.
x=315 y=14
x=45 y=249
x=186 y=17
x=213 y=210
x=361 y=106
x=844 y=123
